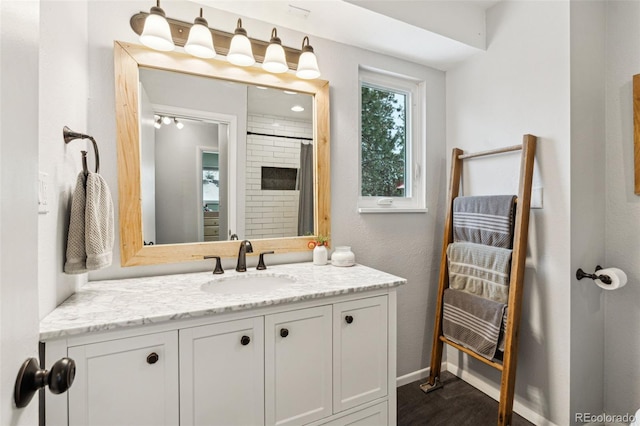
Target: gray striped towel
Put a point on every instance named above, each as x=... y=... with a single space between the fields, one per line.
x=480 y=270
x=472 y=321
x=484 y=220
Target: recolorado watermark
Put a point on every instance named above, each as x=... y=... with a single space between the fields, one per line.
x=604 y=418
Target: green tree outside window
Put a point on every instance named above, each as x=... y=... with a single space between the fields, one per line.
x=383 y=144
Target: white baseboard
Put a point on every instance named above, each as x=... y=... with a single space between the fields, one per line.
x=416 y=375
x=478 y=383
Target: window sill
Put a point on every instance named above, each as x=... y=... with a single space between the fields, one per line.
x=364 y=210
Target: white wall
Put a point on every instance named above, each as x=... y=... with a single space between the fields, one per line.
x=622 y=307
x=19 y=38
x=587 y=206
x=403 y=244
x=64 y=95
x=521 y=85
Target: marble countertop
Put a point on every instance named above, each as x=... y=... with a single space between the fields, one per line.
x=113 y=304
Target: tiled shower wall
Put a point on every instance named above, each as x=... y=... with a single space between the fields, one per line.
x=270 y=213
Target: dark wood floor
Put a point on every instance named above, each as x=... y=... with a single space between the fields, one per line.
x=456 y=404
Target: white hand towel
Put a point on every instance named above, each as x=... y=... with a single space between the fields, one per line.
x=76 y=252
x=99 y=233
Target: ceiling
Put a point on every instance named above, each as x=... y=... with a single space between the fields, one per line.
x=436 y=33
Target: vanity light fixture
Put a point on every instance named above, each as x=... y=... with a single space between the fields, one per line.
x=275 y=60
x=166 y=120
x=200 y=41
x=308 y=63
x=156 y=33
x=157 y=123
x=240 y=51
x=179 y=124
x=197 y=39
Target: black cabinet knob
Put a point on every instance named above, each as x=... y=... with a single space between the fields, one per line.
x=244 y=341
x=348 y=319
x=152 y=358
x=284 y=332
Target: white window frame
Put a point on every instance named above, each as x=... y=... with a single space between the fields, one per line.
x=416 y=147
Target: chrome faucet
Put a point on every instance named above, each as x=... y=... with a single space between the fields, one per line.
x=245 y=247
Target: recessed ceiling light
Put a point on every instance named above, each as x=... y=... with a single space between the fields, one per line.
x=297 y=108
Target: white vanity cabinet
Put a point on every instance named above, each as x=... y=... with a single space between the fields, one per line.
x=131 y=381
x=324 y=356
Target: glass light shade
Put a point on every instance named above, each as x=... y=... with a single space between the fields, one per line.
x=274 y=59
x=240 y=52
x=156 y=33
x=308 y=66
x=200 y=42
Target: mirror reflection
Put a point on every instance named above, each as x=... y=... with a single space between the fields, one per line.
x=222 y=160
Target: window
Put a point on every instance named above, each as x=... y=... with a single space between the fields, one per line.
x=392 y=143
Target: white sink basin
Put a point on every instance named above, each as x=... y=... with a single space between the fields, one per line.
x=247 y=283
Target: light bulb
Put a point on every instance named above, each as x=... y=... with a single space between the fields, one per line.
x=166 y=120
x=179 y=124
x=274 y=59
x=240 y=51
x=157 y=123
x=156 y=33
x=200 y=41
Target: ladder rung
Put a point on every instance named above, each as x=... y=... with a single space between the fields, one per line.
x=493 y=364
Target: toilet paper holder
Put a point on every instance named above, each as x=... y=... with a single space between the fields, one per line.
x=605 y=279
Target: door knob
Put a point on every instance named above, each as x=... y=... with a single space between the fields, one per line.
x=348 y=319
x=31 y=378
x=284 y=332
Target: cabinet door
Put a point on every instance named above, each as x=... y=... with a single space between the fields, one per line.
x=131 y=381
x=359 y=352
x=222 y=374
x=298 y=366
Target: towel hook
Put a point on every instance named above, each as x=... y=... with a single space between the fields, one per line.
x=69 y=135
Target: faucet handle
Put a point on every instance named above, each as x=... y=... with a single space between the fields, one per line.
x=261 y=266
x=218 y=269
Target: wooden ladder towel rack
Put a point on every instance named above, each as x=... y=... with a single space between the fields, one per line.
x=508 y=365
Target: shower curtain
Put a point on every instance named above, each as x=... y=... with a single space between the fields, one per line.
x=305 y=186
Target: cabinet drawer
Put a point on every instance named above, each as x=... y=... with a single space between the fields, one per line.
x=211 y=231
x=376 y=415
x=359 y=352
x=121 y=382
x=211 y=221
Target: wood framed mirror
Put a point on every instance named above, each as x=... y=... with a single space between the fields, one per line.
x=129 y=59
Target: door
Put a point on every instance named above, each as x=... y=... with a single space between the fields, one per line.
x=222 y=374
x=19 y=257
x=132 y=381
x=298 y=366
x=360 y=352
